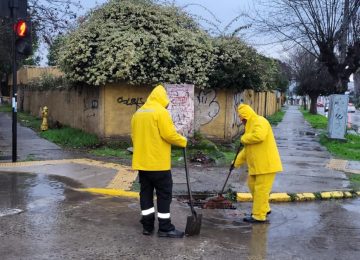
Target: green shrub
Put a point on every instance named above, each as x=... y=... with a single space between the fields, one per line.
x=276 y=118
x=49 y=81
x=70 y=137
x=348 y=149
x=201 y=143
x=316 y=121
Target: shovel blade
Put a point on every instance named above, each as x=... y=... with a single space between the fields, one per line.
x=193 y=225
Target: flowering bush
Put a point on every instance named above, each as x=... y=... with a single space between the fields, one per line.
x=144 y=43
x=139 y=42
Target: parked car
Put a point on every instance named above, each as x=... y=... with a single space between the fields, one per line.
x=351 y=108
x=326 y=109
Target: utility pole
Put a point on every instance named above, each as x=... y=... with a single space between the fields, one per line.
x=14 y=5
x=21 y=43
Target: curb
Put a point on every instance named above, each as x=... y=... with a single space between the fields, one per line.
x=111 y=192
x=306 y=196
x=243 y=197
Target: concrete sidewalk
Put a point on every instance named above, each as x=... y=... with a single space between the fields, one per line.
x=309 y=171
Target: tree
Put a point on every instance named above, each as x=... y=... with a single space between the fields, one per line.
x=312 y=77
x=5 y=46
x=53 y=58
x=283 y=77
x=237 y=66
x=52 y=17
x=139 y=42
x=329 y=30
x=49 y=18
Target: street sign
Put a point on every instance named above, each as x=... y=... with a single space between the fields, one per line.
x=19 y=5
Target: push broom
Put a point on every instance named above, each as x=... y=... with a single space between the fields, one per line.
x=220 y=202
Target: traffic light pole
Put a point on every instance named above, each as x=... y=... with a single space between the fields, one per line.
x=14 y=6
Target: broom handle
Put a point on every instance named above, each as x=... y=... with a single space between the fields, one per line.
x=188 y=184
x=231 y=168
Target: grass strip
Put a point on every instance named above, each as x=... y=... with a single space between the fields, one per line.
x=276 y=118
x=316 y=121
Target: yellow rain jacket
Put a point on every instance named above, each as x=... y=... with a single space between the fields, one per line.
x=153 y=132
x=260 y=151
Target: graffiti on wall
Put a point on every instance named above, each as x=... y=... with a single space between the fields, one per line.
x=337 y=116
x=238 y=99
x=207 y=107
x=138 y=101
x=181 y=107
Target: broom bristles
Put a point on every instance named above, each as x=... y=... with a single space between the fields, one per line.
x=218 y=203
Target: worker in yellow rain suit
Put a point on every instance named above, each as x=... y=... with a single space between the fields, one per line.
x=153 y=132
x=262 y=157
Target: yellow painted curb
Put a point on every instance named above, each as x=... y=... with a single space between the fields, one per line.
x=332 y=195
x=111 y=192
x=347 y=194
x=243 y=197
x=305 y=196
x=325 y=195
x=280 y=197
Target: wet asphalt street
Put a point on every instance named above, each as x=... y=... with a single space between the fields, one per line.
x=41 y=217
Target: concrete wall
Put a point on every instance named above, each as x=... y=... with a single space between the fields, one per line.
x=107 y=111
x=216 y=110
x=74 y=107
x=120 y=103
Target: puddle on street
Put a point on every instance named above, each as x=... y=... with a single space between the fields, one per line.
x=307 y=133
x=224 y=219
x=9 y=212
x=354 y=206
x=20 y=192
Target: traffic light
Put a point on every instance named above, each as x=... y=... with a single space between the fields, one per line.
x=23 y=43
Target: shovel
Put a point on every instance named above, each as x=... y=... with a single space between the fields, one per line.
x=193 y=222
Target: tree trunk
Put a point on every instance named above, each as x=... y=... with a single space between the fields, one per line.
x=313 y=105
x=357 y=83
x=304 y=103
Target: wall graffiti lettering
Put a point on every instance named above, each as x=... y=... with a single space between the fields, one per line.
x=207 y=106
x=138 y=102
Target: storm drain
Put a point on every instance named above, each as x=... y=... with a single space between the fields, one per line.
x=199 y=200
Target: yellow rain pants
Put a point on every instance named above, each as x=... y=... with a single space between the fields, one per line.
x=260 y=187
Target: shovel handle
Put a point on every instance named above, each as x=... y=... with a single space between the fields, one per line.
x=231 y=168
x=188 y=184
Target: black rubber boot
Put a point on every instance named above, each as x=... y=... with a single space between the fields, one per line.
x=148 y=224
x=250 y=219
x=172 y=234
